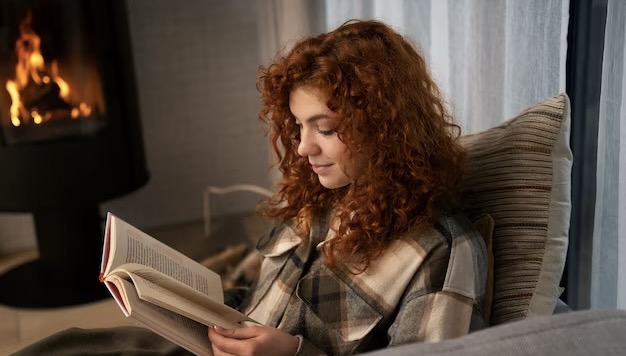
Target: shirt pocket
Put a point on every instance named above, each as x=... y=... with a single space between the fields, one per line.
x=340 y=308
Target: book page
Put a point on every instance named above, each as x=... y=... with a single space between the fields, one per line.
x=119 y=295
x=106 y=249
x=181 y=330
x=128 y=244
x=162 y=297
x=174 y=295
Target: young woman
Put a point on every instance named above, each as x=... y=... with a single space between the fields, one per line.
x=369 y=251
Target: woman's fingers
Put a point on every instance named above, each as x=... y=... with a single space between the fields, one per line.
x=241 y=333
x=253 y=340
x=228 y=342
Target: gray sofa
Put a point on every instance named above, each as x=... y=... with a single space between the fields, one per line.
x=588 y=332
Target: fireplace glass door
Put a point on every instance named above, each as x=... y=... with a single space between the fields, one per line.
x=50 y=87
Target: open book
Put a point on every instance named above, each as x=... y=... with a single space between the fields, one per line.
x=163 y=289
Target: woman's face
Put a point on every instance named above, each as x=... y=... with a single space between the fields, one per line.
x=329 y=157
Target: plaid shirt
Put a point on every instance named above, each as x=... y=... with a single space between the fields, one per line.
x=424 y=287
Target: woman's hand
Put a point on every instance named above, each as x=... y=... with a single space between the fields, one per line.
x=252 y=340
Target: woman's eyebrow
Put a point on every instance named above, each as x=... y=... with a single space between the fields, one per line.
x=315 y=118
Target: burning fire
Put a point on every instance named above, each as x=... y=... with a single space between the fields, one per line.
x=49 y=93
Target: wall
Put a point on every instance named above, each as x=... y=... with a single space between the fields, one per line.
x=196 y=64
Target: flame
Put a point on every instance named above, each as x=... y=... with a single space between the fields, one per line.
x=31 y=66
x=16 y=104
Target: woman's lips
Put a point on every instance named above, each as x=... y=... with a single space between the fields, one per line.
x=320 y=169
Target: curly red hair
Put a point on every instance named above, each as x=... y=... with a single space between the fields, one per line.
x=390 y=110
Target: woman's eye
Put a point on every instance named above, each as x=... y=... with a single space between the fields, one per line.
x=326 y=132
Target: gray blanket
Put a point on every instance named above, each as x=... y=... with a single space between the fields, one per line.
x=126 y=340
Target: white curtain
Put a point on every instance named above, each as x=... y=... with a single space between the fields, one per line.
x=282 y=22
x=608 y=282
x=491 y=58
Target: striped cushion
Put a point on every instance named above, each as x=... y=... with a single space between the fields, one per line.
x=519 y=173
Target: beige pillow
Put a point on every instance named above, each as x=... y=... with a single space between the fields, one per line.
x=520 y=174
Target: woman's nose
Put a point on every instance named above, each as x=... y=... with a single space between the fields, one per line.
x=307 y=146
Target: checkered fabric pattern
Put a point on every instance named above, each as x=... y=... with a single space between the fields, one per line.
x=427 y=286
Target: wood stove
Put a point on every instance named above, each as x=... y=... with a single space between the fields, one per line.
x=70 y=138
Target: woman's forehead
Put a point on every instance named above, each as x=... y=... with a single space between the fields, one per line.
x=308 y=104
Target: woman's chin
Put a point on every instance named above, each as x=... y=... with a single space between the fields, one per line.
x=332 y=183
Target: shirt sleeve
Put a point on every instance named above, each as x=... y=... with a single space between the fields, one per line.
x=432 y=309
